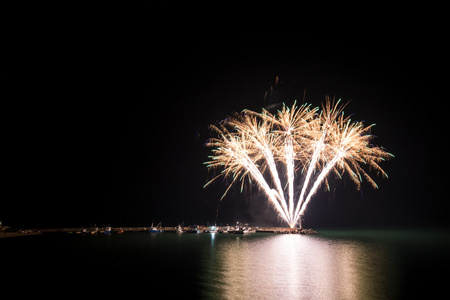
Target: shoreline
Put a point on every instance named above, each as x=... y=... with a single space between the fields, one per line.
x=115 y=230
x=18 y=233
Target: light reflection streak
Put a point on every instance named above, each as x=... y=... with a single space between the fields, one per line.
x=293 y=267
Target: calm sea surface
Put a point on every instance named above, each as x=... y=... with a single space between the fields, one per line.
x=362 y=264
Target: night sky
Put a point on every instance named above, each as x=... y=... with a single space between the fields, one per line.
x=106 y=123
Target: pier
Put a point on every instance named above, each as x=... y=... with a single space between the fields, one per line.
x=115 y=230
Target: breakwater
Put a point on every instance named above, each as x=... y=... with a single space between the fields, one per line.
x=185 y=229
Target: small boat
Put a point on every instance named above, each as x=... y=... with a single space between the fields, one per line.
x=191 y=229
x=106 y=229
x=120 y=230
x=179 y=229
x=157 y=229
x=249 y=230
x=213 y=229
x=93 y=230
x=226 y=229
x=236 y=230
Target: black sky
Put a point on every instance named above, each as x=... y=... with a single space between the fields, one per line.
x=106 y=122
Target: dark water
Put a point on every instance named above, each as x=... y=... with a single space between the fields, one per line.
x=364 y=264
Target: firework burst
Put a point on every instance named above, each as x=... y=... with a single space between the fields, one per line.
x=274 y=150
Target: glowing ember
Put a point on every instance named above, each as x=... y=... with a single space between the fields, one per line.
x=300 y=139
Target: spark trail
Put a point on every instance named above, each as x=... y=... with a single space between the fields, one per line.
x=299 y=139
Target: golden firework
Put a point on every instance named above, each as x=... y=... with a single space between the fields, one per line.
x=300 y=140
